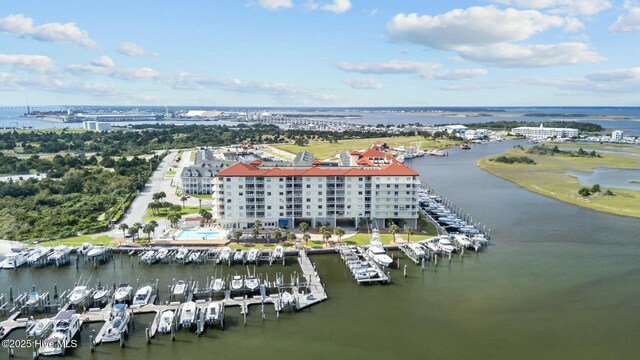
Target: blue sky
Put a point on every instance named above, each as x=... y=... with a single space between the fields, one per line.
x=321 y=52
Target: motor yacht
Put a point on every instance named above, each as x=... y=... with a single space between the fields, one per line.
x=123 y=293
x=118 y=324
x=66 y=325
x=97 y=251
x=142 y=296
x=40 y=328
x=278 y=252
x=376 y=250
x=79 y=295
x=238 y=255
x=181 y=255
x=218 y=285
x=213 y=313
x=166 y=321
x=101 y=296
x=187 y=314
x=252 y=283
x=253 y=255
x=225 y=254
x=236 y=282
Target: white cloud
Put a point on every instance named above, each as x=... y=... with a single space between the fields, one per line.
x=131 y=49
x=572 y=7
x=335 y=6
x=275 y=4
x=513 y=55
x=604 y=83
x=421 y=69
x=363 y=83
x=103 y=61
x=69 y=33
x=118 y=73
x=36 y=63
x=617 y=75
x=474 y=26
x=629 y=22
x=491 y=36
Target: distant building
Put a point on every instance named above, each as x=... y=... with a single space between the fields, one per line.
x=544 y=133
x=455 y=129
x=617 y=135
x=477 y=134
x=96 y=126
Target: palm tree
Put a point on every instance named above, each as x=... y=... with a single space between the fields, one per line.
x=183 y=198
x=207 y=216
x=173 y=218
x=200 y=203
x=339 y=232
x=276 y=234
x=306 y=237
x=291 y=236
x=154 y=206
x=133 y=232
x=326 y=235
x=124 y=227
x=303 y=227
x=408 y=231
x=237 y=235
x=154 y=226
x=138 y=227
x=393 y=229
x=257 y=225
x=148 y=229
x=324 y=229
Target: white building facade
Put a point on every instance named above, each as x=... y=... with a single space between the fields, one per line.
x=545 y=133
x=617 y=135
x=286 y=196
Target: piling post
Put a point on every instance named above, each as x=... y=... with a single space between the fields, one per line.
x=146 y=335
x=92 y=343
x=173 y=331
x=122 y=340
x=11 y=294
x=389 y=276
x=422 y=263
x=405 y=270
x=435 y=259
x=449 y=256
x=10 y=351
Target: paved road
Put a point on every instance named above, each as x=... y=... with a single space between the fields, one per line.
x=138 y=207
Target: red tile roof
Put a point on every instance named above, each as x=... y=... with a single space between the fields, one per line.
x=241 y=170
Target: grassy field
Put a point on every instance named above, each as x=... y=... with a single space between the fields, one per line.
x=550 y=178
x=187 y=210
x=201 y=196
x=79 y=240
x=325 y=150
x=593 y=146
x=363 y=238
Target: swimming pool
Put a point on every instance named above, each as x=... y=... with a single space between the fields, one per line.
x=197 y=234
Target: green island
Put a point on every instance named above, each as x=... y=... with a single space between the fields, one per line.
x=549 y=176
x=507 y=125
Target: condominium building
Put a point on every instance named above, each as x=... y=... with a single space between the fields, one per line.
x=373 y=185
x=544 y=132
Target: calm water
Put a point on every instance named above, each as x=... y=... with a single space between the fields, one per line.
x=609 y=178
x=12 y=118
x=559 y=282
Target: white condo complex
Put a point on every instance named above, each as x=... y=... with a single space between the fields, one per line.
x=545 y=133
x=369 y=184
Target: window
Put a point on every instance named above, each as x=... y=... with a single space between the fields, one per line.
x=319 y=206
x=281 y=214
x=268 y=193
x=308 y=199
x=320 y=193
x=268 y=207
x=308 y=186
x=240 y=186
x=241 y=207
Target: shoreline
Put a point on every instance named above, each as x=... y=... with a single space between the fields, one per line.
x=550 y=178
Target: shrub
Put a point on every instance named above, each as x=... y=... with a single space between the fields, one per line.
x=584 y=191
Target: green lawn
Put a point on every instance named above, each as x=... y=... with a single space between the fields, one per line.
x=187 y=210
x=549 y=177
x=324 y=150
x=201 y=196
x=363 y=238
x=192 y=157
x=79 y=240
x=170 y=173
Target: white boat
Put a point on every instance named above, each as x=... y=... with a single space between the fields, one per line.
x=376 y=250
x=101 y=296
x=225 y=254
x=400 y=158
x=238 y=256
x=218 y=285
x=286 y=299
x=365 y=273
x=435 y=152
x=213 y=313
x=278 y=252
x=79 y=295
x=97 y=251
x=252 y=283
x=187 y=314
x=194 y=256
x=417 y=250
x=181 y=255
x=253 y=255
x=446 y=245
x=148 y=257
x=118 y=324
x=59 y=255
x=179 y=288
x=14 y=260
x=236 y=282
x=40 y=328
x=85 y=248
x=66 y=325
x=33 y=301
x=161 y=254
x=142 y=296
x=37 y=254
x=166 y=320
x=123 y=293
